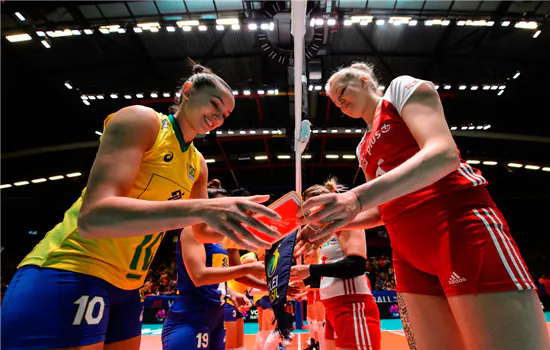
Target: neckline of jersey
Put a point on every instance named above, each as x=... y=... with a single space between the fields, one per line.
x=183 y=146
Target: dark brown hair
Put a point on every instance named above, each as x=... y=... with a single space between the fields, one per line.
x=202 y=77
x=215 y=189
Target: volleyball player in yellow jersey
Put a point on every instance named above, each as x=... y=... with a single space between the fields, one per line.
x=78 y=288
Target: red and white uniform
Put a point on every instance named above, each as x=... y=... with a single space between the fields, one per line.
x=448 y=238
x=352 y=318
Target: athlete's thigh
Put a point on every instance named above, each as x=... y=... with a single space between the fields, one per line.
x=240 y=332
x=428 y=322
x=501 y=320
x=127 y=344
x=125 y=318
x=186 y=335
x=231 y=334
x=217 y=337
x=267 y=320
x=47 y=308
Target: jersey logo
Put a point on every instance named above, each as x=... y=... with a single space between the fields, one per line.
x=175 y=195
x=380 y=171
x=191 y=173
x=272 y=266
x=411 y=84
x=383 y=130
x=164 y=124
x=168 y=157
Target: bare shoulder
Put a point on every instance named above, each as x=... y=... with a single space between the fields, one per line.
x=135 y=115
x=133 y=125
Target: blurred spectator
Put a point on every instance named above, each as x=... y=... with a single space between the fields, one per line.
x=381 y=273
x=543 y=285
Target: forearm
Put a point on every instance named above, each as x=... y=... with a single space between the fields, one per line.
x=421 y=170
x=253 y=282
x=348 y=267
x=214 y=275
x=255 y=292
x=126 y=217
x=368 y=219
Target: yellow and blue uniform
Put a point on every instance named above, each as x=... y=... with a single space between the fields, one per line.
x=87 y=289
x=195 y=319
x=231 y=314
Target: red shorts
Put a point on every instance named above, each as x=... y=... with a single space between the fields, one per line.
x=313 y=296
x=456 y=244
x=353 y=322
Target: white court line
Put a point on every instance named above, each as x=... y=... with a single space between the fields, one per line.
x=299 y=341
x=396 y=332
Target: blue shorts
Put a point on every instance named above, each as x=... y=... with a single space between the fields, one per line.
x=194 y=330
x=230 y=313
x=46 y=308
x=263 y=302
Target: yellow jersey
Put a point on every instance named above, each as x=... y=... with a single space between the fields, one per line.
x=167 y=172
x=237 y=286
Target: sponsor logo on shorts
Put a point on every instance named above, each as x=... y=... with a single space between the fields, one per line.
x=411 y=84
x=455 y=279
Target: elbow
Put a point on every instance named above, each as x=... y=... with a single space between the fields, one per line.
x=199 y=279
x=357 y=266
x=89 y=227
x=84 y=226
x=450 y=159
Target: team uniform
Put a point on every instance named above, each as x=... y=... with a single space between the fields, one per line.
x=195 y=319
x=448 y=238
x=231 y=314
x=72 y=291
x=352 y=318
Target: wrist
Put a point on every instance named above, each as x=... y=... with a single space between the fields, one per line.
x=357 y=200
x=194 y=208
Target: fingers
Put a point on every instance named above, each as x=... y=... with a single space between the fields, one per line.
x=260 y=226
x=299 y=249
x=237 y=239
x=263 y=210
x=328 y=230
x=259 y=198
x=316 y=202
x=248 y=236
x=322 y=214
x=302 y=220
x=295 y=278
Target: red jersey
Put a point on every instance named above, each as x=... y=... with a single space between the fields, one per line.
x=390 y=143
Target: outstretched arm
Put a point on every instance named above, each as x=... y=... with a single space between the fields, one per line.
x=194 y=257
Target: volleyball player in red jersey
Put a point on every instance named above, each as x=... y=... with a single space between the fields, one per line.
x=458 y=271
x=352 y=319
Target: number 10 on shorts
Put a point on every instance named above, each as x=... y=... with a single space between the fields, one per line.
x=86 y=310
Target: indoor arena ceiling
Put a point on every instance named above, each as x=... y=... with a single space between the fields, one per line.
x=70 y=64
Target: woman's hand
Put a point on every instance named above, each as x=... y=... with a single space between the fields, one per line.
x=241 y=301
x=227 y=216
x=299 y=272
x=256 y=269
x=331 y=212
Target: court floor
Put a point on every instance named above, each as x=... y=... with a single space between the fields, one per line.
x=393 y=337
